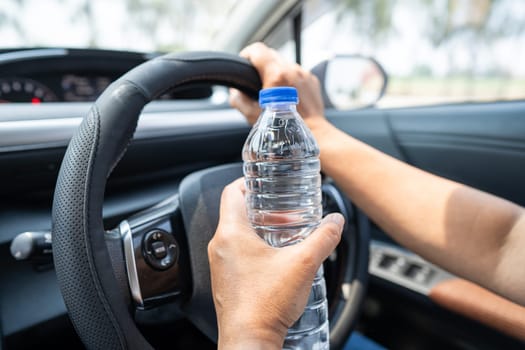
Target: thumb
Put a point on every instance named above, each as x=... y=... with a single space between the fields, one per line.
x=322 y=242
x=250 y=108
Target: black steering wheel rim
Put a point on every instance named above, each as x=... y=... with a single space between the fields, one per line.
x=97 y=307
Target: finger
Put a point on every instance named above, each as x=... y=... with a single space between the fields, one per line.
x=233 y=210
x=261 y=56
x=250 y=108
x=322 y=242
x=256 y=51
x=234 y=225
x=233 y=205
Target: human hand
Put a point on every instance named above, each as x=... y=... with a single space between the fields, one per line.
x=259 y=291
x=275 y=71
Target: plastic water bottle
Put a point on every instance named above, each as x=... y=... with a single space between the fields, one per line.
x=283 y=183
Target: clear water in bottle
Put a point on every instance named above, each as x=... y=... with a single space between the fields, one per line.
x=283 y=183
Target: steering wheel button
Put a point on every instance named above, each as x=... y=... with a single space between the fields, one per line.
x=157 y=235
x=159 y=249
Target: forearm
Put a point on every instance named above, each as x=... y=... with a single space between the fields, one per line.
x=466 y=231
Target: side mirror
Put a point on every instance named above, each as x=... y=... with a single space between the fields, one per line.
x=351 y=81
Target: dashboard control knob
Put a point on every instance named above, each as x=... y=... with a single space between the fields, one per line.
x=32 y=246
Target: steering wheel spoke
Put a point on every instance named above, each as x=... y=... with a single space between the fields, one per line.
x=156 y=263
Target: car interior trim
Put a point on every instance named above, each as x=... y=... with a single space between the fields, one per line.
x=56 y=132
x=131 y=267
x=21 y=55
x=256 y=25
x=160 y=211
x=403 y=268
x=346 y=290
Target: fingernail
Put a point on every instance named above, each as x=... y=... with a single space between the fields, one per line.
x=336 y=218
x=234 y=95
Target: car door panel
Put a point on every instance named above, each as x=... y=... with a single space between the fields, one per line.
x=369 y=125
x=482 y=145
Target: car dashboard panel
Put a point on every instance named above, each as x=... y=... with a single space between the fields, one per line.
x=71 y=75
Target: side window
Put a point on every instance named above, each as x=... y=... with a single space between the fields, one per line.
x=433 y=51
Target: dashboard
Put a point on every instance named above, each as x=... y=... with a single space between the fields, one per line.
x=71 y=75
x=68 y=87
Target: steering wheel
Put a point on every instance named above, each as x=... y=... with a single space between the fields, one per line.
x=158 y=257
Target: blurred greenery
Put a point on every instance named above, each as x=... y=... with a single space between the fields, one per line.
x=495 y=87
x=153 y=18
x=148 y=14
x=373 y=18
x=7 y=19
x=418 y=91
x=474 y=25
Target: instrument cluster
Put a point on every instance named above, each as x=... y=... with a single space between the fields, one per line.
x=64 y=88
x=43 y=75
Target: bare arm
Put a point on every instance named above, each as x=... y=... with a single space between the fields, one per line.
x=468 y=232
x=471 y=233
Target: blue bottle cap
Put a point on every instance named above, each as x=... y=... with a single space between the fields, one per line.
x=278 y=94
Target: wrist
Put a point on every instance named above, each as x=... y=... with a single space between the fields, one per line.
x=244 y=339
x=248 y=344
x=248 y=335
x=326 y=135
x=332 y=142
x=323 y=131
x=317 y=124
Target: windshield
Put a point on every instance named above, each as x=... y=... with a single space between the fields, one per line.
x=137 y=25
